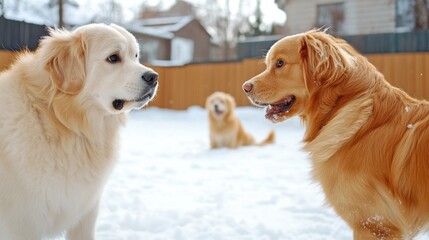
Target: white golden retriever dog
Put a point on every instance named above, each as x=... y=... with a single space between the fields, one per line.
x=62 y=107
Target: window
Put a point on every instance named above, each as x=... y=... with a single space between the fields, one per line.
x=412 y=15
x=332 y=17
x=404 y=15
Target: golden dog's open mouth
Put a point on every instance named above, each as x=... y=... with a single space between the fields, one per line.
x=279 y=108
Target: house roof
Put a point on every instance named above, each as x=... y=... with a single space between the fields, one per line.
x=167 y=24
x=150 y=31
x=165 y=27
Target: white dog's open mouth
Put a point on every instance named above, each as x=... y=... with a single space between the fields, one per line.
x=119 y=104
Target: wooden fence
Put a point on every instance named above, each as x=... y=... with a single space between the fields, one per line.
x=6 y=58
x=181 y=87
x=409 y=71
x=184 y=86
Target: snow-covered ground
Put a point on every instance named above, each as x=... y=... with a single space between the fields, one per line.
x=169 y=185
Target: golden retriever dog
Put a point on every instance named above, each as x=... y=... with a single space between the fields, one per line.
x=367 y=139
x=225 y=127
x=62 y=110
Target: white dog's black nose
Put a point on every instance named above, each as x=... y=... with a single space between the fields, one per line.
x=150 y=77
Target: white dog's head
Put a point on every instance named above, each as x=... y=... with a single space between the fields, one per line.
x=98 y=65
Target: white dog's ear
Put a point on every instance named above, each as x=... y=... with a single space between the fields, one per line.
x=65 y=59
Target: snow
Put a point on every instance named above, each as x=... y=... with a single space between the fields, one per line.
x=169 y=185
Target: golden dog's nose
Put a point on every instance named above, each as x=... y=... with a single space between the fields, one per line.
x=247 y=87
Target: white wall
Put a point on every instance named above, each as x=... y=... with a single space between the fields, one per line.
x=182 y=50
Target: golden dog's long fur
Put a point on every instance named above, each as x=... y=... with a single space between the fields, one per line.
x=226 y=129
x=62 y=107
x=367 y=139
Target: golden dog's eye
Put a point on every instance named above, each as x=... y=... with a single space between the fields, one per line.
x=279 y=63
x=114 y=58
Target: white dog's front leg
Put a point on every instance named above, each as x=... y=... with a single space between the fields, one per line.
x=85 y=229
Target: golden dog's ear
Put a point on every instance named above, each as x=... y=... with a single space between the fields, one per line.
x=324 y=58
x=65 y=60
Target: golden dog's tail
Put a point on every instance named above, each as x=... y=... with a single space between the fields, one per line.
x=270 y=139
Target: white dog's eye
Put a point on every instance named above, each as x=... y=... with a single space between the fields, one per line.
x=137 y=55
x=280 y=63
x=114 y=58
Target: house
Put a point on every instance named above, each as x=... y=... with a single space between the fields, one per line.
x=345 y=17
x=370 y=26
x=171 y=40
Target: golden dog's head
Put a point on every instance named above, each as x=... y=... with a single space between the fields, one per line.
x=220 y=105
x=98 y=66
x=298 y=68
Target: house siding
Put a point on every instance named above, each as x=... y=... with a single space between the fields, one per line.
x=200 y=37
x=162 y=47
x=370 y=16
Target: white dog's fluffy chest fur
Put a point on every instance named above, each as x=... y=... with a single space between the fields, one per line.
x=47 y=181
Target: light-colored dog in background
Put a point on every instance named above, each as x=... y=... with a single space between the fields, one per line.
x=226 y=129
x=62 y=107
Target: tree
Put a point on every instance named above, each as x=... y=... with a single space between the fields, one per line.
x=255 y=26
x=223 y=24
x=180 y=8
x=226 y=20
x=111 y=12
x=421 y=15
x=60 y=4
x=412 y=14
x=1 y=8
x=48 y=12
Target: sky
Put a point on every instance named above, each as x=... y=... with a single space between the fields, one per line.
x=272 y=13
x=29 y=12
